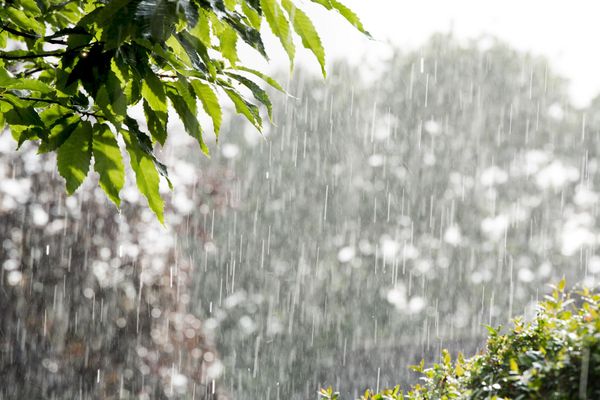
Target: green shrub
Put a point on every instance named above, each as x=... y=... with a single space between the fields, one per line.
x=555 y=356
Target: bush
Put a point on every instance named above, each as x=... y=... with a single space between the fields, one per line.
x=555 y=356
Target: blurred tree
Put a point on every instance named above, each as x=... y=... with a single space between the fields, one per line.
x=70 y=72
x=95 y=304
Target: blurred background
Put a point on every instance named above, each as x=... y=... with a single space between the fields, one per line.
x=438 y=181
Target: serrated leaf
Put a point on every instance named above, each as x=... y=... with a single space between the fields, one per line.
x=347 y=13
x=247 y=33
x=108 y=12
x=279 y=26
x=192 y=48
x=307 y=32
x=9 y=82
x=248 y=110
x=253 y=16
x=30 y=6
x=60 y=131
x=158 y=17
x=154 y=93
x=145 y=144
x=73 y=156
x=146 y=175
x=272 y=82
x=23 y=116
x=202 y=28
x=116 y=94
x=185 y=106
x=228 y=44
x=258 y=93
x=108 y=162
x=210 y=103
x=350 y=16
x=20 y=19
x=157 y=123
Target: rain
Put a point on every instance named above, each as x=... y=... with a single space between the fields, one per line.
x=375 y=222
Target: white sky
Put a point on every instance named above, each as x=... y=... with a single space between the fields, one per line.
x=567 y=32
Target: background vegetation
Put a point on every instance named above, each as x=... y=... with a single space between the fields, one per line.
x=556 y=356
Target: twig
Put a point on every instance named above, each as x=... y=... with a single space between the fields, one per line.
x=33 y=71
x=50 y=101
x=5 y=56
x=8 y=56
x=31 y=35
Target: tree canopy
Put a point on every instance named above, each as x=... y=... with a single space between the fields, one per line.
x=71 y=71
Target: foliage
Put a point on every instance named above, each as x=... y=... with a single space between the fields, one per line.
x=70 y=73
x=555 y=356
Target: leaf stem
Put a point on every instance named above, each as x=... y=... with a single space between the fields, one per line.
x=51 y=101
x=8 y=56
x=28 y=35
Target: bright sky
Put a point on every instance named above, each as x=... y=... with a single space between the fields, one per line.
x=567 y=32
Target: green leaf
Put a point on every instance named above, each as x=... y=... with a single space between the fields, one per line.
x=186 y=52
x=158 y=17
x=185 y=106
x=272 y=82
x=258 y=93
x=230 y=4
x=20 y=19
x=157 y=123
x=60 y=130
x=514 y=367
x=228 y=43
x=109 y=12
x=248 y=110
x=210 y=102
x=347 y=13
x=154 y=92
x=74 y=156
x=117 y=96
x=8 y=82
x=248 y=34
x=146 y=175
x=253 y=16
x=350 y=16
x=280 y=26
x=446 y=357
x=459 y=370
x=145 y=144
x=108 y=162
x=23 y=116
x=202 y=28
x=30 y=6
x=307 y=32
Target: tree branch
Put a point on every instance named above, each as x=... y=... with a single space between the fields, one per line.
x=27 y=35
x=31 y=72
x=50 y=101
x=8 y=56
